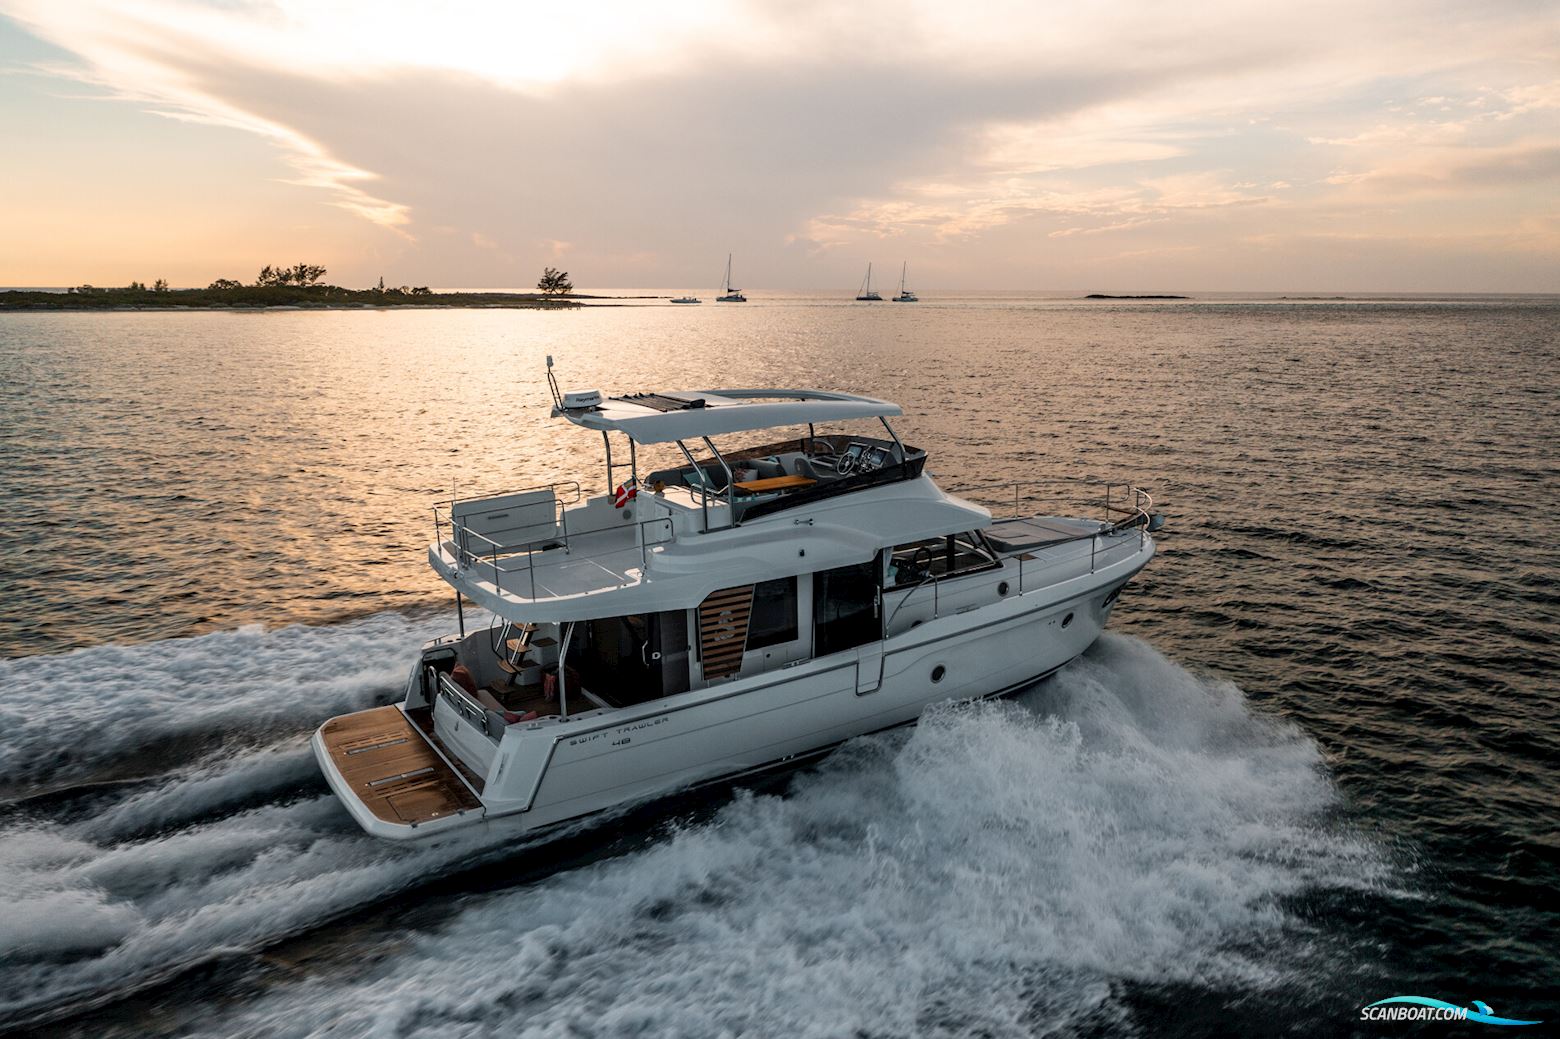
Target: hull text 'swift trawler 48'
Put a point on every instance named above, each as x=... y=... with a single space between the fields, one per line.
x=738 y=609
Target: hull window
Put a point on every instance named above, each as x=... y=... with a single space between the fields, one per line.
x=846 y=610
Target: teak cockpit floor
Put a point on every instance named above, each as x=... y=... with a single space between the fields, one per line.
x=392 y=769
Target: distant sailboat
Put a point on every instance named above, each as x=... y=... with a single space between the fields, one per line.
x=729 y=294
x=905 y=295
x=866 y=295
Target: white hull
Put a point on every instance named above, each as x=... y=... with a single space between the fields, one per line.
x=543 y=775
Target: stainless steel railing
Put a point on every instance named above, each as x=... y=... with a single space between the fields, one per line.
x=1112 y=499
x=560 y=505
x=471 y=548
x=1123 y=506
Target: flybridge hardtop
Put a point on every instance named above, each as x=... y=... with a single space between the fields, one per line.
x=663 y=418
x=699 y=621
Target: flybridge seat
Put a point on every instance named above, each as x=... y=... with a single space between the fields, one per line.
x=508 y=522
x=1026 y=535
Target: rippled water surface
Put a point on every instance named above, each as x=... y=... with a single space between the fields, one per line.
x=1314 y=766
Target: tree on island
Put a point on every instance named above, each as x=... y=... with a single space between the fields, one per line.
x=303 y=275
x=160 y=285
x=555 y=282
x=224 y=285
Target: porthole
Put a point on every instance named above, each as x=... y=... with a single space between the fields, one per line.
x=938 y=672
x=1002 y=589
x=1067 y=620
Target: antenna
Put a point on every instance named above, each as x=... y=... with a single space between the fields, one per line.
x=552 y=384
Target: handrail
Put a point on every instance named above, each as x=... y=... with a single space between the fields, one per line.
x=464 y=704
x=1141 y=502
x=1134 y=502
x=461 y=536
x=560 y=512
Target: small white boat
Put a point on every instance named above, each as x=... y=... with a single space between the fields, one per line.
x=728 y=293
x=686 y=299
x=752 y=608
x=865 y=294
x=905 y=295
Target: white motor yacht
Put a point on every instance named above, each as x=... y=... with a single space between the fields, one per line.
x=752 y=607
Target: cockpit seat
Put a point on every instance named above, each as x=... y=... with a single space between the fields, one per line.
x=803 y=466
x=498 y=715
x=766 y=467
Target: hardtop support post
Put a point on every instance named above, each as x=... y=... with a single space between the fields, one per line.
x=703 y=489
x=897 y=445
x=731 y=503
x=563 y=672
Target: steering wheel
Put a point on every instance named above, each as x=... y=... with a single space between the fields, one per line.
x=846 y=463
x=922 y=567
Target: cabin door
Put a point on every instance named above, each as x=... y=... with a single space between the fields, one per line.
x=848 y=615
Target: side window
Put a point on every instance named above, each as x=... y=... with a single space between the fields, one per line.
x=846 y=610
x=774 y=613
x=948 y=556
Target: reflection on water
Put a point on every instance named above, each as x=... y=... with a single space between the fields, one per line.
x=1358 y=536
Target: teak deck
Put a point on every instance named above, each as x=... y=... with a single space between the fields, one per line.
x=391 y=768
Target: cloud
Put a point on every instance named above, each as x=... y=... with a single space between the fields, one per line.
x=645 y=141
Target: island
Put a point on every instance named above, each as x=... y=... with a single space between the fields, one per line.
x=1101 y=295
x=287 y=288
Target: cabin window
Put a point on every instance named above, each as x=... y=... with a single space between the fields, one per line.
x=846 y=608
x=774 y=613
x=948 y=556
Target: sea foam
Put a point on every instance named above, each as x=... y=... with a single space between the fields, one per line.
x=90 y=712
x=998 y=870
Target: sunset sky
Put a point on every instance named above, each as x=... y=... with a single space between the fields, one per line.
x=1145 y=146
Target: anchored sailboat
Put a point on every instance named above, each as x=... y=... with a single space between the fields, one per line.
x=905 y=295
x=865 y=294
x=729 y=294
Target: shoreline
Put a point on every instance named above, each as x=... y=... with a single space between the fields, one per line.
x=257 y=308
x=256 y=299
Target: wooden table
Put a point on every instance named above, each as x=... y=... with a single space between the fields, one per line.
x=773 y=483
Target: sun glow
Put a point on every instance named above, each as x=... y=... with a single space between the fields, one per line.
x=1033 y=140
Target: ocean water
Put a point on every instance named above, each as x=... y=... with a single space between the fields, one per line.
x=1313 y=765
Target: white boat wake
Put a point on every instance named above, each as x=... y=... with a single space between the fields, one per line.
x=1001 y=866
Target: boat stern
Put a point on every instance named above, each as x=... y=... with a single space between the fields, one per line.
x=390 y=778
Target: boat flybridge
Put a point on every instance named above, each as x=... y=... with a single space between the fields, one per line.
x=746 y=606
